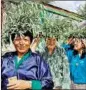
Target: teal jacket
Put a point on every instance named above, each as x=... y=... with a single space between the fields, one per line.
x=77 y=65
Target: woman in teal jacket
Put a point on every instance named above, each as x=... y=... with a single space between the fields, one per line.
x=77 y=63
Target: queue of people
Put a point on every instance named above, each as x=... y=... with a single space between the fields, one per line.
x=56 y=67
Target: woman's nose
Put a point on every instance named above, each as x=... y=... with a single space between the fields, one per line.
x=21 y=41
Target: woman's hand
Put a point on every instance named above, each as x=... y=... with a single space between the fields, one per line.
x=19 y=84
x=35 y=44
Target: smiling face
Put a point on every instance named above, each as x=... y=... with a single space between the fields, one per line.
x=78 y=45
x=51 y=43
x=22 y=44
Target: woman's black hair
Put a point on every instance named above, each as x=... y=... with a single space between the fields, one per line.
x=82 y=56
x=27 y=33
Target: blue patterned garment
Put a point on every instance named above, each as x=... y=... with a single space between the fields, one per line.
x=32 y=68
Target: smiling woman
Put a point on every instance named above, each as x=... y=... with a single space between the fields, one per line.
x=22 y=42
x=77 y=62
x=23 y=69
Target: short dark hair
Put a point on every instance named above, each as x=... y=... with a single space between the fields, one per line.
x=27 y=33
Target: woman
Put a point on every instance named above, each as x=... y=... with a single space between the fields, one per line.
x=57 y=61
x=78 y=64
x=23 y=69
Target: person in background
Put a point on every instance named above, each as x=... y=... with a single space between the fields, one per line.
x=24 y=69
x=69 y=45
x=57 y=61
x=38 y=43
x=77 y=63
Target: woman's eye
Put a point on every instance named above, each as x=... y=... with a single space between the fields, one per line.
x=26 y=39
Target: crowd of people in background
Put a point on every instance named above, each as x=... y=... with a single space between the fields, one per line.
x=56 y=67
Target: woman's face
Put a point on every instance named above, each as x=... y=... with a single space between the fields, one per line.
x=51 y=43
x=78 y=45
x=22 y=44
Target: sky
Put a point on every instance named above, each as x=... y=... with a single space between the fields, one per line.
x=68 y=5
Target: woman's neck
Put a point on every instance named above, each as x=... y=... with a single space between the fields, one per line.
x=20 y=55
x=51 y=51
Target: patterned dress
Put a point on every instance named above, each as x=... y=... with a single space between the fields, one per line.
x=59 y=67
